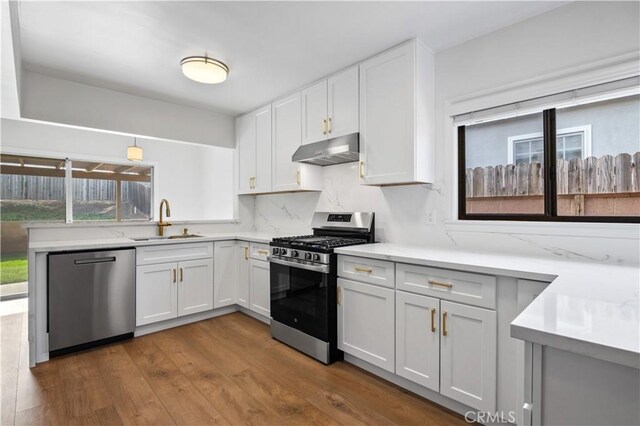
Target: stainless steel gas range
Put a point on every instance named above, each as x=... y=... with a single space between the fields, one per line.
x=304 y=280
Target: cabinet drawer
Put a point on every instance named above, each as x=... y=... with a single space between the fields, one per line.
x=148 y=255
x=259 y=251
x=371 y=271
x=464 y=287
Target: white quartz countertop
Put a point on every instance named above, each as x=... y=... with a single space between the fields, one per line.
x=589 y=308
x=65 y=245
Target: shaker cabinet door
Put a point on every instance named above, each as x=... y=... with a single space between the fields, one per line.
x=468 y=355
x=366 y=322
x=418 y=339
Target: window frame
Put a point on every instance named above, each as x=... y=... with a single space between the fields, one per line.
x=550 y=188
x=586 y=140
x=68 y=177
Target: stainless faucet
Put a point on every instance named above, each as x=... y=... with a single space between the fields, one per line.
x=162 y=224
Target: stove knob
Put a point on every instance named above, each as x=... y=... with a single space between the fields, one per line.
x=316 y=257
x=294 y=253
x=307 y=256
x=276 y=251
x=283 y=252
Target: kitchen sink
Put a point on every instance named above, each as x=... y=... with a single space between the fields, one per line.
x=167 y=237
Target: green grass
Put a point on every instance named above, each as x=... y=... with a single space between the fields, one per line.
x=50 y=211
x=13 y=269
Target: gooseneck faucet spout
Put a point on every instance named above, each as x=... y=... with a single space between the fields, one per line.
x=161 y=223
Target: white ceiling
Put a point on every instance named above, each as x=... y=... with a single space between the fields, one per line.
x=271 y=47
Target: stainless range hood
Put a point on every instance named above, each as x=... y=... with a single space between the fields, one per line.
x=343 y=149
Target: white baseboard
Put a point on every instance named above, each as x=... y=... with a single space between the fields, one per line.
x=177 y=322
x=409 y=385
x=254 y=315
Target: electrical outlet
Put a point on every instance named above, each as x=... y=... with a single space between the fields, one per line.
x=431 y=217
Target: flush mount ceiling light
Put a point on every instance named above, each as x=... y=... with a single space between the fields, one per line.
x=204 y=70
x=134 y=152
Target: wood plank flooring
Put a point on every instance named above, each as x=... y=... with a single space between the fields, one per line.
x=227 y=370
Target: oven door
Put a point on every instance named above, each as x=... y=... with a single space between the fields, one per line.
x=299 y=297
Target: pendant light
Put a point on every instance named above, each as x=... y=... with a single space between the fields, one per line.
x=204 y=70
x=134 y=152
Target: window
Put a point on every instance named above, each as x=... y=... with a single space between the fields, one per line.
x=576 y=160
x=571 y=143
x=35 y=189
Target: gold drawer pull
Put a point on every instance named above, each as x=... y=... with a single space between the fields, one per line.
x=181 y=275
x=263 y=251
x=329 y=129
x=433 y=320
x=298 y=178
x=367 y=270
x=361 y=169
x=324 y=126
x=174 y=275
x=444 y=323
x=246 y=253
x=339 y=296
x=447 y=285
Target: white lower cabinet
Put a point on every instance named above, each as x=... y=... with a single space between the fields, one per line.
x=225 y=273
x=418 y=339
x=156 y=293
x=173 y=289
x=259 y=292
x=366 y=322
x=468 y=355
x=242 y=283
x=195 y=286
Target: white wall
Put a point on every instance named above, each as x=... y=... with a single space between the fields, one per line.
x=55 y=100
x=578 y=34
x=196 y=179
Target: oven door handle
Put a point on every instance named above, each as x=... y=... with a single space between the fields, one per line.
x=316 y=268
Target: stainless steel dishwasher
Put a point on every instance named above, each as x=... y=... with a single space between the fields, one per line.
x=92 y=298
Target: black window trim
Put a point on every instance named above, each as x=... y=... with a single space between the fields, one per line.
x=550 y=190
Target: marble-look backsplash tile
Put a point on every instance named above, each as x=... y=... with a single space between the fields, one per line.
x=401 y=218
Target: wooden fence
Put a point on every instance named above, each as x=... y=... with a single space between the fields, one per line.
x=603 y=175
x=45 y=188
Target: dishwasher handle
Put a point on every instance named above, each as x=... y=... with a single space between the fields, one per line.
x=94 y=260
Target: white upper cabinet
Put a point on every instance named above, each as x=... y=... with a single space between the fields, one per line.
x=330 y=107
x=396 y=116
x=253 y=133
x=286 y=139
x=245 y=131
x=314 y=113
x=343 y=103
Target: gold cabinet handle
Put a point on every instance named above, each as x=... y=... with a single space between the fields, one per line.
x=324 y=126
x=339 y=296
x=362 y=169
x=263 y=251
x=329 y=125
x=181 y=275
x=246 y=253
x=444 y=323
x=433 y=320
x=298 y=178
x=360 y=269
x=433 y=282
x=174 y=275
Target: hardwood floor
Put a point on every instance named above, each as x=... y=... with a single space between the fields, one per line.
x=227 y=370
